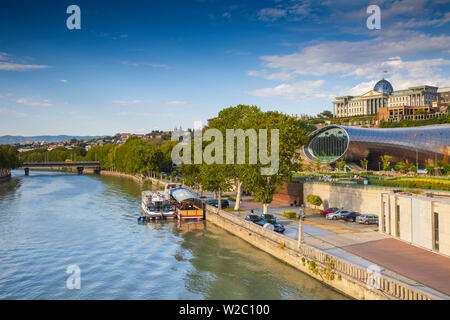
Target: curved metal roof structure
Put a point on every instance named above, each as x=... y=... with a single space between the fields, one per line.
x=421 y=145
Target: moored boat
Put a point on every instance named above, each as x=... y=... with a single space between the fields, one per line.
x=154 y=205
x=188 y=204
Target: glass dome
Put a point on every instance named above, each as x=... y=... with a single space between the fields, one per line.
x=384 y=86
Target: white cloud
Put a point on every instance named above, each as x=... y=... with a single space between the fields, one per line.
x=29 y=103
x=237 y=53
x=345 y=56
x=152 y=65
x=404 y=55
x=7 y=66
x=158 y=65
x=226 y=15
x=145 y=114
x=271 y=14
x=295 y=90
x=126 y=102
x=177 y=102
x=292 y=11
x=282 y=76
x=12 y=113
x=63 y=81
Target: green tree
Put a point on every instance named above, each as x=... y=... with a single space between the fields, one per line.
x=386 y=162
x=413 y=168
x=400 y=166
x=235 y=118
x=364 y=162
x=9 y=157
x=440 y=166
x=430 y=169
x=340 y=165
x=326 y=114
x=446 y=169
x=318 y=163
x=215 y=178
x=290 y=138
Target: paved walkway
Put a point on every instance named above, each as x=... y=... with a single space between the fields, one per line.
x=428 y=268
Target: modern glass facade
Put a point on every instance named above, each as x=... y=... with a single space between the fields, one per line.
x=417 y=145
x=329 y=145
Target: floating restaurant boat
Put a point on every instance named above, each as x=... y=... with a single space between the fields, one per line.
x=155 y=205
x=188 y=204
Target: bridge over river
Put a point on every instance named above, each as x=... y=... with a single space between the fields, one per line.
x=80 y=165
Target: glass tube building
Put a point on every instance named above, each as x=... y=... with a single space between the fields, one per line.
x=415 y=145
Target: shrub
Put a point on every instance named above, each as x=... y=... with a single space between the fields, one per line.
x=290 y=214
x=314 y=200
x=417 y=183
x=430 y=169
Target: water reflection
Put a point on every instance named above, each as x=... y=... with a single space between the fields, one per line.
x=51 y=220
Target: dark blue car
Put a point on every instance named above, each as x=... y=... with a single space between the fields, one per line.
x=215 y=203
x=261 y=221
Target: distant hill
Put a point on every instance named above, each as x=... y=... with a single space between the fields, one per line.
x=60 y=138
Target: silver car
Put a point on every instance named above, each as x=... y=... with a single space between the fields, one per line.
x=368 y=219
x=336 y=215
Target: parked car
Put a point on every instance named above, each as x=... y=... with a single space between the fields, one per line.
x=258 y=219
x=264 y=219
x=253 y=218
x=351 y=216
x=277 y=227
x=215 y=203
x=336 y=215
x=328 y=210
x=368 y=219
x=269 y=217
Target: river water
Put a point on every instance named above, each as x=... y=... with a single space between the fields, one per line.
x=51 y=220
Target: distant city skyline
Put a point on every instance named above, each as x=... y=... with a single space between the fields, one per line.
x=138 y=66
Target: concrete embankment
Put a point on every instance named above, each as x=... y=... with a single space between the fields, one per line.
x=343 y=276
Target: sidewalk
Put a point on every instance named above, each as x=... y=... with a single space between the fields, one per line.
x=363 y=246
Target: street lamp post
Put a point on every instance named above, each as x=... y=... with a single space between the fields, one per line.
x=300 y=225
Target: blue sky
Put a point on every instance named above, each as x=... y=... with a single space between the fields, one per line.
x=136 y=65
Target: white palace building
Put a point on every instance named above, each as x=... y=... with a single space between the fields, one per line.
x=383 y=95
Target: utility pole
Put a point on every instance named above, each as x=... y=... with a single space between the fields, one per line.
x=300 y=226
x=417 y=159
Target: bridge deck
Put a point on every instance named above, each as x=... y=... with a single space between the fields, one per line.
x=84 y=164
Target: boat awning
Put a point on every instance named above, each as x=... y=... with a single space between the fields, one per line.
x=183 y=194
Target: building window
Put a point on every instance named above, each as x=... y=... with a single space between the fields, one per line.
x=384 y=217
x=436 y=231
